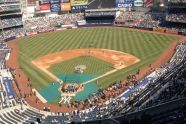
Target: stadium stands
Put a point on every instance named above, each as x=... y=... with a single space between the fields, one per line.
x=10 y=7
x=40 y=22
x=137 y=19
x=149 y=98
x=176 y=18
x=11 y=22
x=6 y=91
x=19 y=114
x=131 y=19
x=11 y=107
x=14 y=32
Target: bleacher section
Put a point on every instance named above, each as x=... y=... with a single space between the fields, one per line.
x=10 y=7
x=136 y=19
x=175 y=17
x=18 y=114
x=11 y=22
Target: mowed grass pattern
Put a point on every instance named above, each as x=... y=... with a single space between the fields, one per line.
x=146 y=46
x=93 y=66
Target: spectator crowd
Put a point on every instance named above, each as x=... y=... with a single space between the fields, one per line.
x=9 y=7
x=138 y=19
x=176 y=18
x=40 y=22
x=121 y=97
x=12 y=26
x=36 y=24
x=11 y=22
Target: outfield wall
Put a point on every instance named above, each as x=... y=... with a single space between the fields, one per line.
x=94 y=25
x=155 y=29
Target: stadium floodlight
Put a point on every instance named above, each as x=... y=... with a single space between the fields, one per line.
x=162 y=5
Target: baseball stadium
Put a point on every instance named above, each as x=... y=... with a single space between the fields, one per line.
x=92 y=61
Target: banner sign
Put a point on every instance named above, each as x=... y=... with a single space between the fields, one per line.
x=10 y=38
x=79 y=2
x=65 y=7
x=124 y=3
x=80 y=7
x=55 y=7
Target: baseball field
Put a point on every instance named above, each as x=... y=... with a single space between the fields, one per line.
x=147 y=47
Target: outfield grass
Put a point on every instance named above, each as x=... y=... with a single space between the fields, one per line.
x=93 y=66
x=146 y=46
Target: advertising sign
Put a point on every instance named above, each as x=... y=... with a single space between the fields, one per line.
x=44 y=7
x=31 y=33
x=54 y=1
x=79 y=2
x=138 y=3
x=65 y=7
x=55 y=7
x=79 y=7
x=8 y=88
x=124 y=3
x=65 y=1
x=44 y=1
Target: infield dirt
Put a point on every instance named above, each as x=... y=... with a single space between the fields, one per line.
x=117 y=58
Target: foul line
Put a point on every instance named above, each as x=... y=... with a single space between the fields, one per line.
x=108 y=73
x=39 y=96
